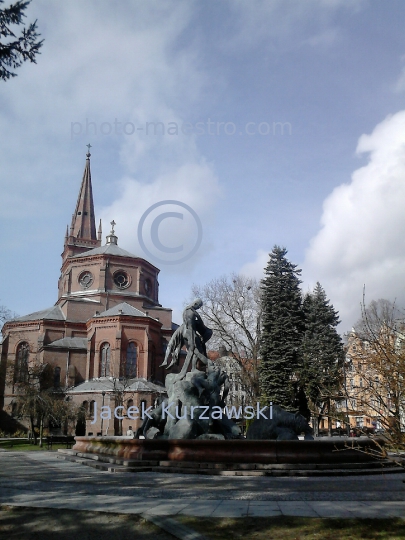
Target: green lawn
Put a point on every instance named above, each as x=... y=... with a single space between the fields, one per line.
x=296 y=528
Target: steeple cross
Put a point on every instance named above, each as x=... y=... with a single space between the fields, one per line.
x=113 y=224
x=88 y=147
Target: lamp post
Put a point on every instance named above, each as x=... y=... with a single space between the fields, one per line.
x=102 y=419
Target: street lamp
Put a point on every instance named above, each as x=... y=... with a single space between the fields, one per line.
x=103 y=394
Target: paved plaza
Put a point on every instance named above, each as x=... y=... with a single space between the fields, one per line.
x=40 y=479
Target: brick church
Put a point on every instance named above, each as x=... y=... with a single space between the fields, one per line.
x=105 y=336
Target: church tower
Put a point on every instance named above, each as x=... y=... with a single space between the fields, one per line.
x=107 y=325
x=95 y=277
x=82 y=235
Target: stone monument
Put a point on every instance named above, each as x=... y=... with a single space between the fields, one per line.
x=187 y=430
x=196 y=398
x=282 y=426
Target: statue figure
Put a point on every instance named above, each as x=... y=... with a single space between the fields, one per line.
x=195 y=404
x=193 y=334
x=283 y=426
x=188 y=411
x=155 y=421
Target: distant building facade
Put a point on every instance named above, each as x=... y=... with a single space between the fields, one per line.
x=105 y=336
x=368 y=403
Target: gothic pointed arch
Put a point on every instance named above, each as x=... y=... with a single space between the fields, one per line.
x=131 y=360
x=105 y=360
x=21 y=362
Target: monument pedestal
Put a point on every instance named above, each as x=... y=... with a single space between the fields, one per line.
x=233 y=457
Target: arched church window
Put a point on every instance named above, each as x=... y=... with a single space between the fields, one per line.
x=91 y=409
x=105 y=360
x=130 y=403
x=21 y=368
x=130 y=363
x=56 y=377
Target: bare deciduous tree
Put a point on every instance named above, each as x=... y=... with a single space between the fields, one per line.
x=231 y=307
x=36 y=400
x=377 y=367
x=6 y=314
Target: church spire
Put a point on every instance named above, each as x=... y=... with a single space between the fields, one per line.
x=82 y=234
x=83 y=221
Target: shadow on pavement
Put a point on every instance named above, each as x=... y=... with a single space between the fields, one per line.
x=50 y=524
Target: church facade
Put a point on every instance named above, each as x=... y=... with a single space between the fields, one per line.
x=105 y=337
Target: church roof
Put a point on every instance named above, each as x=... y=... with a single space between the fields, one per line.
x=107 y=249
x=69 y=343
x=122 y=309
x=53 y=313
x=108 y=384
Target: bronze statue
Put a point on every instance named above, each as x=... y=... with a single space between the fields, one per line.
x=193 y=334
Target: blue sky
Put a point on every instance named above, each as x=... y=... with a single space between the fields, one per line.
x=319 y=85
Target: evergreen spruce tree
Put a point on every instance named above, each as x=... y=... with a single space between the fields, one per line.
x=282 y=330
x=16 y=49
x=322 y=351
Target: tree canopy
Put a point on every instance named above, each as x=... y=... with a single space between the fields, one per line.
x=15 y=49
x=322 y=350
x=282 y=330
x=6 y=314
x=232 y=309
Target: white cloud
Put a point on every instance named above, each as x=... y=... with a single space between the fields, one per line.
x=362 y=237
x=194 y=184
x=98 y=62
x=256 y=268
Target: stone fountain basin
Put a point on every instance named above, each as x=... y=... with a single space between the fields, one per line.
x=234 y=451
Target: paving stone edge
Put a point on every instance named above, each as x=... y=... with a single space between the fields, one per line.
x=173 y=527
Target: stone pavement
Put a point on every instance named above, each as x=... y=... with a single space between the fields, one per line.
x=40 y=479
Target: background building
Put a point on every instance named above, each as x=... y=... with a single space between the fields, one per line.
x=374 y=378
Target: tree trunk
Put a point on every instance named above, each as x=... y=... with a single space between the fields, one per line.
x=329 y=420
x=347 y=425
x=41 y=431
x=315 y=424
x=318 y=423
x=33 y=433
x=397 y=423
